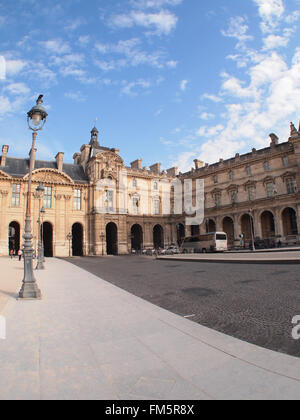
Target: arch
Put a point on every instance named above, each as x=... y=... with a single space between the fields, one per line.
x=180 y=233
x=77 y=240
x=228 y=228
x=268 y=225
x=14 y=237
x=47 y=234
x=158 y=237
x=247 y=226
x=111 y=239
x=289 y=222
x=136 y=238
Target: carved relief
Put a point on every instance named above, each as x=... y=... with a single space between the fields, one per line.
x=50 y=176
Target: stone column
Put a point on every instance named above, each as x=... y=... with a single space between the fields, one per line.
x=278 y=223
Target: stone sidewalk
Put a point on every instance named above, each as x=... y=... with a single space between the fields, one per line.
x=88 y=339
x=259 y=257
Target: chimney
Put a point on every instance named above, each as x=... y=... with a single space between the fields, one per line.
x=116 y=151
x=5 y=150
x=198 y=164
x=274 y=139
x=137 y=164
x=59 y=161
x=155 y=168
x=172 y=171
x=85 y=154
x=76 y=158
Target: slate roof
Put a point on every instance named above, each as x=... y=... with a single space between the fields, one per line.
x=20 y=167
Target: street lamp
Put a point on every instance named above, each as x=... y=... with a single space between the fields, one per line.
x=36 y=119
x=102 y=236
x=69 y=237
x=40 y=263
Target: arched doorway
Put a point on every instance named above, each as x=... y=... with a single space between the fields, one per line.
x=247 y=227
x=180 y=233
x=210 y=226
x=268 y=225
x=77 y=240
x=158 y=237
x=47 y=233
x=289 y=221
x=136 y=238
x=112 y=239
x=14 y=237
x=228 y=228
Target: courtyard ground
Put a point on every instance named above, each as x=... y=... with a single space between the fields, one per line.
x=88 y=339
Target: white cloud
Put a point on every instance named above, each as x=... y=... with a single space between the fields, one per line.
x=56 y=46
x=17 y=89
x=271 y=12
x=133 y=88
x=238 y=29
x=5 y=105
x=161 y=23
x=183 y=85
x=206 y=116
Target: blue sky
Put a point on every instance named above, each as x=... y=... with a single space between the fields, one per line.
x=170 y=81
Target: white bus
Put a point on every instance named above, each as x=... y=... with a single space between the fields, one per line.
x=210 y=242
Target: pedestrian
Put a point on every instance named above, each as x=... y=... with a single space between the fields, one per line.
x=11 y=253
x=20 y=253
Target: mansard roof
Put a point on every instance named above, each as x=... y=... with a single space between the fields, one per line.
x=20 y=167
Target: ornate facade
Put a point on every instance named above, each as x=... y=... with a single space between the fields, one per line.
x=98 y=206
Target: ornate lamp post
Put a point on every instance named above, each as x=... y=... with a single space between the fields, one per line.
x=40 y=263
x=36 y=119
x=69 y=237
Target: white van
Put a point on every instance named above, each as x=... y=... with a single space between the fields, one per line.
x=210 y=242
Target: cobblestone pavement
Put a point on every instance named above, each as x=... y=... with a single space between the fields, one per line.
x=254 y=303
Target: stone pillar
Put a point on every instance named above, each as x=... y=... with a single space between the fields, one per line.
x=278 y=223
x=257 y=224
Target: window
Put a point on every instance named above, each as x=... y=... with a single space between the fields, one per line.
x=248 y=171
x=285 y=161
x=15 y=200
x=155 y=186
x=134 y=183
x=218 y=199
x=156 y=207
x=270 y=189
x=290 y=185
x=48 y=198
x=77 y=200
x=215 y=179
x=251 y=193
x=109 y=201
x=231 y=176
x=267 y=166
x=135 y=205
x=233 y=195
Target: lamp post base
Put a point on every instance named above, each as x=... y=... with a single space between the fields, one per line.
x=30 y=292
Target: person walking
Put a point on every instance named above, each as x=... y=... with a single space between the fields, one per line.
x=11 y=253
x=20 y=253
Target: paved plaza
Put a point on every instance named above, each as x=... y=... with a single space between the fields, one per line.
x=88 y=339
x=255 y=303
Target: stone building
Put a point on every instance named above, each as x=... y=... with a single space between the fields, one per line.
x=254 y=195
x=99 y=206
